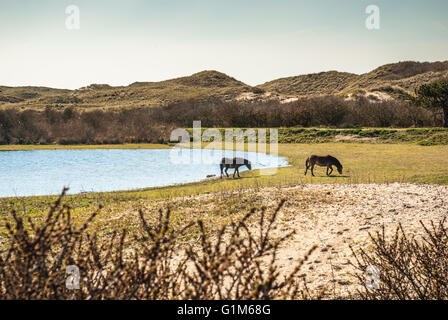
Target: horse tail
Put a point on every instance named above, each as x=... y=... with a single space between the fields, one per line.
x=307 y=162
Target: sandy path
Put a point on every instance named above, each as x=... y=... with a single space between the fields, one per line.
x=345 y=219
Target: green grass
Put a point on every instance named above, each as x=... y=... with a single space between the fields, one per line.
x=363 y=163
x=420 y=136
x=76 y=147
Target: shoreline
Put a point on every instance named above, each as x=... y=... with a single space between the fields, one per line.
x=32 y=147
x=202 y=180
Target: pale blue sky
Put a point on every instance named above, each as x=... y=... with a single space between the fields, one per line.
x=252 y=40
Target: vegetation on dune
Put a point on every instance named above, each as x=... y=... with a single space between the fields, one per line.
x=201 y=86
x=154 y=125
x=397 y=81
x=323 y=83
x=408 y=267
x=239 y=263
x=70 y=126
x=435 y=95
x=167 y=259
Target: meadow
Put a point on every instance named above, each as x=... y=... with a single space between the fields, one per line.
x=363 y=163
x=213 y=204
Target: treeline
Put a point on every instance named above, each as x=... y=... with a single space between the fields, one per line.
x=74 y=126
x=327 y=111
x=154 y=125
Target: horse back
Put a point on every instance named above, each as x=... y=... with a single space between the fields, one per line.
x=323 y=160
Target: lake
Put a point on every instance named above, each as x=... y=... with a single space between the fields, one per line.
x=46 y=172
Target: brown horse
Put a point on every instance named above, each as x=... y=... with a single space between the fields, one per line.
x=234 y=163
x=327 y=161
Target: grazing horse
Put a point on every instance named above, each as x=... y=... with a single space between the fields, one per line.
x=234 y=163
x=327 y=161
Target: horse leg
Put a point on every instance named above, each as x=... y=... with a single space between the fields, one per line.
x=238 y=172
x=312 y=169
x=227 y=168
x=327 y=170
x=331 y=170
x=221 y=166
x=234 y=173
x=307 y=165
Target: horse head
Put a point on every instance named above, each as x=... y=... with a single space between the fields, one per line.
x=248 y=165
x=339 y=168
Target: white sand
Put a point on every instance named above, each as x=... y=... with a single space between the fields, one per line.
x=345 y=219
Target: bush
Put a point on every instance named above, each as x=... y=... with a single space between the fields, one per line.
x=239 y=263
x=153 y=125
x=409 y=267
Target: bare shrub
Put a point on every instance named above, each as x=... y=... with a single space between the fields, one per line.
x=239 y=263
x=410 y=267
x=153 y=125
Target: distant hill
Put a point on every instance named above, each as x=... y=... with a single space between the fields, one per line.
x=396 y=80
x=391 y=81
x=331 y=82
x=202 y=85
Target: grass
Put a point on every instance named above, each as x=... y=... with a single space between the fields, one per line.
x=82 y=146
x=218 y=202
x=420 y=136
x=363 y=163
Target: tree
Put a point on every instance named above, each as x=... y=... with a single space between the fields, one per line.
x=435 y=95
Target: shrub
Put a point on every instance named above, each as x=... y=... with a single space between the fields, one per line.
x=409 y=267
x=153 y=125
x=239 y=263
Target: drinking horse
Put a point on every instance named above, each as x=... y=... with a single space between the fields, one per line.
x=234 y=163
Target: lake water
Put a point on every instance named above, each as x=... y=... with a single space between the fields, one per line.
x=45 y=172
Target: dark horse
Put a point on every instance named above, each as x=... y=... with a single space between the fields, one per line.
x=234 y=163
x=327 y=161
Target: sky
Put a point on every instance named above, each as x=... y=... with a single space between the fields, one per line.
x=120 y=42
